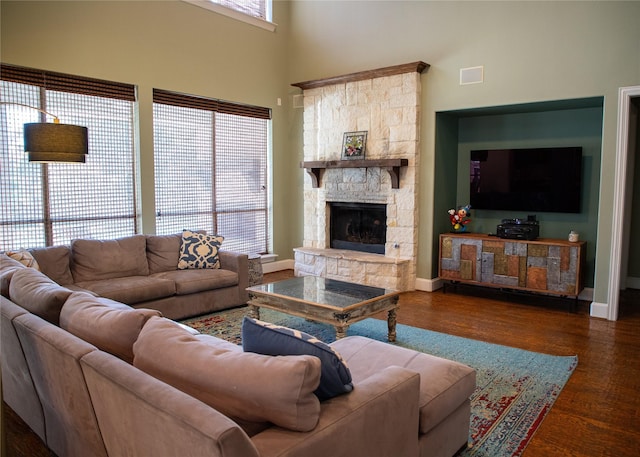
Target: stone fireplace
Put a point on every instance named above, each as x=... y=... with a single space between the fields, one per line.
x=386 y=104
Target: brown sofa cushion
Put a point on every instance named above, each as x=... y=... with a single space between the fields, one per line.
x=163 y=252
x=193 y=281
x=38 y=294
x=106 y=259
x=245 y=386
x=54 y=262
x=444 y=384
x=132 y=289
x=110 y=326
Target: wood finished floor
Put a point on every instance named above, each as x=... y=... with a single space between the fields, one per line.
x=596 y=414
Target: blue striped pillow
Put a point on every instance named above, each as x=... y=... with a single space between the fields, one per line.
x=269 y=339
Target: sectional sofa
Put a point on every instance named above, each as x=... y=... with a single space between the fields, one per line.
x=95 y=377
x=142 y=271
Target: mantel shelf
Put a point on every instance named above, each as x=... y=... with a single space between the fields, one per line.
x=393 y=166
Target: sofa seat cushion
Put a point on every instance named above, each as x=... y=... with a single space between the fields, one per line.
x=109 y=325
x=444 y=384
x=132 y=289
x=193 y=281
x=105 y=259
x=38 y=294
x=243 y=386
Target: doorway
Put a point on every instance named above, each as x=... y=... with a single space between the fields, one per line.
x=626 y=153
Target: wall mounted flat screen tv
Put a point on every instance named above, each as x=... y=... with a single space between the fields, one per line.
x=527 y=180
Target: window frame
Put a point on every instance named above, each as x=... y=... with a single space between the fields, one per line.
x=238 y=15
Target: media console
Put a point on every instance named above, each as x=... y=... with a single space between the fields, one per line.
x=549 y=266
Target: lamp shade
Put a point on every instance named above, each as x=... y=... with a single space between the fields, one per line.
x=56 y=142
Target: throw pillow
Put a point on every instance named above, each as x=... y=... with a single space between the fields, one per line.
x=25 y=258
x=269 y=339
x=199 y=250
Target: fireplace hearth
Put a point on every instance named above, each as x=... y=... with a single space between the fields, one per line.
x=358 y=226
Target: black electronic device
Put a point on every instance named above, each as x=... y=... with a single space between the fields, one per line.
x=519 y=229
x=533 y=179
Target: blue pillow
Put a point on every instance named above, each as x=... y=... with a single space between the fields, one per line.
x=269 y=339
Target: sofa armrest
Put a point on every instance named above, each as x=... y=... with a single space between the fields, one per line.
x=238 y=263
x=379 y=417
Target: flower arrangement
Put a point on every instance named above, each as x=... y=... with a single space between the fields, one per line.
x=460 y=218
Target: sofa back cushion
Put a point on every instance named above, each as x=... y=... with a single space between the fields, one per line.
x=54 y=262
x=38 y=294
x=109 y=325
x=163 y=252
x=242 y=385
x=105 y=259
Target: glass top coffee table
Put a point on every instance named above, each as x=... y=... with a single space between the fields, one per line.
x=333 y=302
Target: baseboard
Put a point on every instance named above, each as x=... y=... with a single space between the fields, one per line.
x=599 y=310
x=428 y=285
x=279 y=265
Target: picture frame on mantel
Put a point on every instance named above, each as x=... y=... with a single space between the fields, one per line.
x=354 y=145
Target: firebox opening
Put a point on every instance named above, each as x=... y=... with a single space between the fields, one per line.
x=358 y=226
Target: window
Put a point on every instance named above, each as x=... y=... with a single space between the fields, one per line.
x=255 y=8
x=254 y=12
x=211 y=169
x=53 y=203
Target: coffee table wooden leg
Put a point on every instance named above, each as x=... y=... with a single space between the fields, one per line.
x=341 y=331
x=391 y=323
x=254 y=311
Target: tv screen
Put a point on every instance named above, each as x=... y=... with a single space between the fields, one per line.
x=540 y=179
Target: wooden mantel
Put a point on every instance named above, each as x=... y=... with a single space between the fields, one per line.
x=362 y=75
x=393 y=166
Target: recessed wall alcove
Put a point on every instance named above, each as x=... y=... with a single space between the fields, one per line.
x=575 y=122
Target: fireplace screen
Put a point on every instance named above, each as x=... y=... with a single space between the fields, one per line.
x=358 y=226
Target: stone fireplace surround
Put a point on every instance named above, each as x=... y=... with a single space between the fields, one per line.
x=386 y=104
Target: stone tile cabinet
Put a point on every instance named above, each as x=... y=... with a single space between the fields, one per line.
x=550 y=266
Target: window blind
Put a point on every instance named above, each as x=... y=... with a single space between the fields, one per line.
x=211 y=169
x=53 y=203
x=255 y=8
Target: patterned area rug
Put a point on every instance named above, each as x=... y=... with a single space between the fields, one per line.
x=515 y=388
